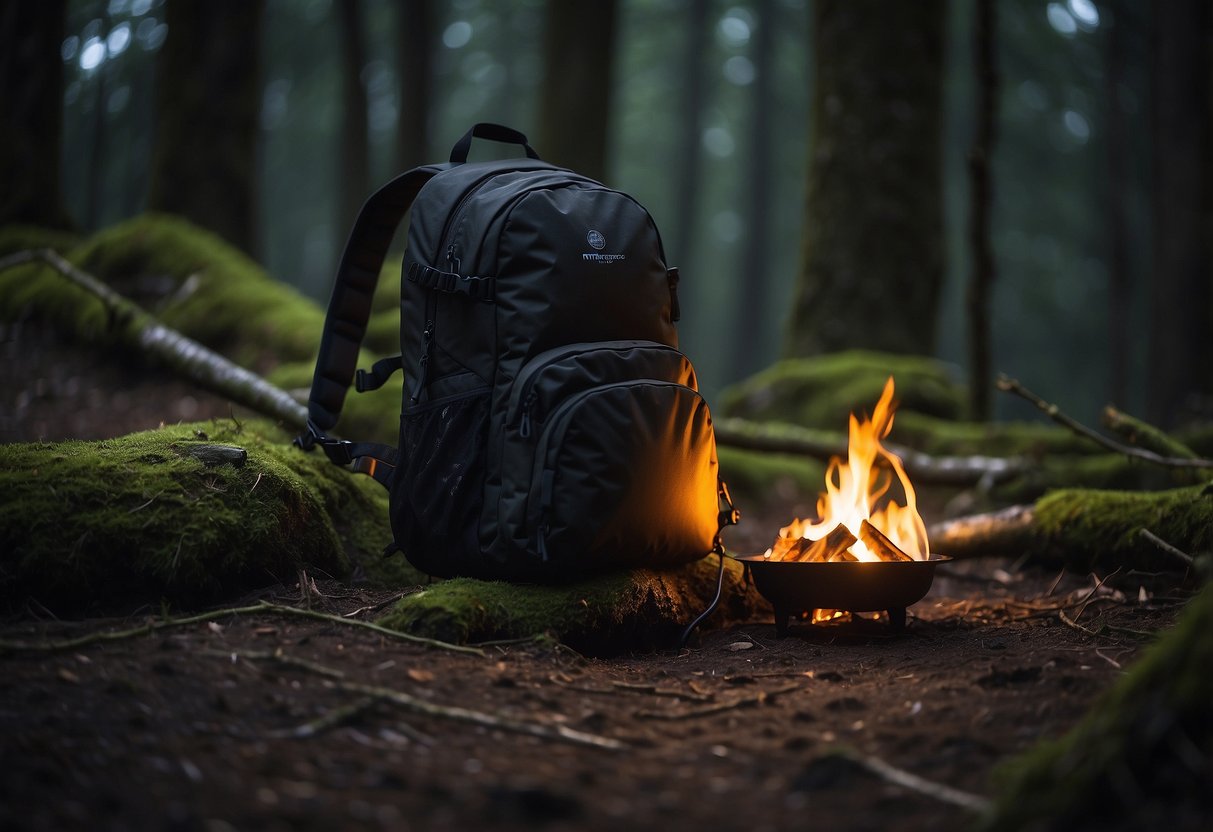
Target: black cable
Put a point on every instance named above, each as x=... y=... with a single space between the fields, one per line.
x=686 y=634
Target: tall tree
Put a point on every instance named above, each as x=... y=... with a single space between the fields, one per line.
x=208 y=98
x=31 y=87
x=872 y=263
x=755 y=278
x=1116 y=198
x=981 y=199
x=354 y=162
x=575 y=98
x=1181 y=348
x=688 y=155
x=415 y=70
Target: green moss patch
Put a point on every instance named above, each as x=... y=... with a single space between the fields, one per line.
x=1142 y=758
x=760 y=480
x=821 y=392
x=610 y=613
x=1088 y=528
x=132 y=520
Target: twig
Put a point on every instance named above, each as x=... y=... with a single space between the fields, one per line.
x=534 y=729
x=1010 y=385
x=261 y=608
x=1164 y=546
x=709 y=710
x=379 y=605
x=928 y=788
x=627 y=687
x=330 y=719
x=278 y=657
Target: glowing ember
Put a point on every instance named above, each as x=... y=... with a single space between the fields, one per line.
x=858 y=491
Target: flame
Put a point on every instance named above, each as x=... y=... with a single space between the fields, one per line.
x=855 y=490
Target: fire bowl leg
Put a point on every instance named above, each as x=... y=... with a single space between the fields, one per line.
x=897 y=618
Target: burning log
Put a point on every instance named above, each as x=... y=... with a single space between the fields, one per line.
x=832 y=547
x=880 y=545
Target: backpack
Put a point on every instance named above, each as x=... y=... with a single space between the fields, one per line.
x=550 y=427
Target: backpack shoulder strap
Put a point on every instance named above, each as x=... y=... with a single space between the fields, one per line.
x=350 y=306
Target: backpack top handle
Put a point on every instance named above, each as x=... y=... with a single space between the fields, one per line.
x=494 y=133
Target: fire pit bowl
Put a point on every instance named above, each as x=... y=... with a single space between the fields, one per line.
x=797 y=587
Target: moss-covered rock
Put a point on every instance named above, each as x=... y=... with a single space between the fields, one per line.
x=1142 y=758
x=134 y=519
x=613 y=612
x=821 y=392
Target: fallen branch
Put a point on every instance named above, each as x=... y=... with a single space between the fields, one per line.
x=1164 y=546
x=1010 y=385
x=1144 y=435
x=720 y=707
x=924 y=468
x=1010 y=532
x=261 y=608
x=330 y=719
x=134 y=328
x=927 y=788
x=533 y=729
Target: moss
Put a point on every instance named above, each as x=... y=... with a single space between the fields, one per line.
x=947 y=437
x=760 y=480
x=630 y=610
x=130 y=520
x=821 y=392
x=1142 y=758
x=1088 y=528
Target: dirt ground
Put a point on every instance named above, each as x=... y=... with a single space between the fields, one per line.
x=257 y=721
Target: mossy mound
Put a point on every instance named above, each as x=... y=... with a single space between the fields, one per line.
x=14 y=238
x=822 y=391
x=760 y=480
x=1085 y=528
x=1142 y=758
x=614 y=612
x=161 y=514
x=948 y=437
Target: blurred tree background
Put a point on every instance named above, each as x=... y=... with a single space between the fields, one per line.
x=268 y=121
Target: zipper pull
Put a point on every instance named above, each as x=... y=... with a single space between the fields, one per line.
x=451 y=259
x=524 y=428
x=427 y=339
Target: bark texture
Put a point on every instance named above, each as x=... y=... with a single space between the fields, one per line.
x=873 y=238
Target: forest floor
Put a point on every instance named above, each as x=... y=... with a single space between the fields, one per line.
x=222 y=724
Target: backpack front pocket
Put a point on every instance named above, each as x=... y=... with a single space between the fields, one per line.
x=625 y=474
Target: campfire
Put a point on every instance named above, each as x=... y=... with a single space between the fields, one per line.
x=867 y=550
x=858 y=518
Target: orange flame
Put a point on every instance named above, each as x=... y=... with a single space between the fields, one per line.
x=854 y=490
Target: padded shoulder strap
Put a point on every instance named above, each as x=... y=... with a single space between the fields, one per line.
x=350 y=306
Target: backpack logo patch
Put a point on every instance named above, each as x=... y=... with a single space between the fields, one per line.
x=598 y=243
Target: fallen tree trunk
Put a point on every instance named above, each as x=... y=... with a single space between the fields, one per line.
x=924 y=468
x=130 y=326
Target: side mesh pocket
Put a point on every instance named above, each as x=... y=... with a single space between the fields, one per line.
x=439 y=486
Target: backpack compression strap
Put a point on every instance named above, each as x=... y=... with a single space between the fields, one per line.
x=345 y=325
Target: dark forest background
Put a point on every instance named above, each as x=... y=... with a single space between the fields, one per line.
x=1021 y=186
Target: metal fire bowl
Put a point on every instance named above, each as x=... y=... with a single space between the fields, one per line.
x=795 y=588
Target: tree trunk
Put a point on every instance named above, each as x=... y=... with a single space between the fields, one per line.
x=31 y=87
x=353 y=170
x=873 y=237
x=1120 y=288
x=208 y=99
x=575 y=98
x=755 y=282
x=981 y=282
x=688 y=154
x=1181 y=349
x=415 y=69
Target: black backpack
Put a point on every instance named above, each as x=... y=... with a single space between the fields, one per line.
x=550 y=426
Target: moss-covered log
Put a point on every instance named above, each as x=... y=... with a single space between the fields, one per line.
x=121 y=522
x=618 y=611
x=1142 y=758
x=1085 y=529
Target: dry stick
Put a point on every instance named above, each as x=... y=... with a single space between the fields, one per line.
x=329 y=719
x=1010 y=385
x=260 y=608
x=486 y=720
x=1166 y=547
x=278 y=657
x=929 y=788
x=710 y=710
x=136 y=329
